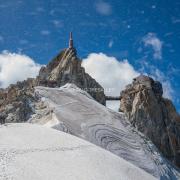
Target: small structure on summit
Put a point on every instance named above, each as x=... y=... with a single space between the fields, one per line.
x=71 y=41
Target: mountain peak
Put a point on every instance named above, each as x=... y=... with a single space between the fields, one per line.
x=153 y=115
x=66 y=68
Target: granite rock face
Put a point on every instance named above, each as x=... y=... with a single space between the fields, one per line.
x=66 y=68
x=16 y=100
x=153 y=115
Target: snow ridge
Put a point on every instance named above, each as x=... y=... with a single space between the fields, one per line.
x=80 y=115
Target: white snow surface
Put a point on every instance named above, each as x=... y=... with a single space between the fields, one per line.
x=34 y=152
x=74 y=111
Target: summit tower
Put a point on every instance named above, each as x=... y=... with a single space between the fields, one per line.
x=71 y=41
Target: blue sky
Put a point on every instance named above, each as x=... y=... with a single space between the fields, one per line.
x=144 y=32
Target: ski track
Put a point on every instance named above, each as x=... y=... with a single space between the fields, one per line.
x=7 y=156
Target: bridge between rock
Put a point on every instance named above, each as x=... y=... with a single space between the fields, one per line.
x=113 y=98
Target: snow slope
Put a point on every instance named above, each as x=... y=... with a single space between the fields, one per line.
x=33 y=152
x=72 y=110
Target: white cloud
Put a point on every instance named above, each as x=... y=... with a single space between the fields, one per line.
x=153 y=41
x=45 y=32
x=128 y=26
x=112 y=74
x=103 y=8
x=57 y=23
x=167 y=86
x=16 y=67
x=158 y=75
x=111 y=42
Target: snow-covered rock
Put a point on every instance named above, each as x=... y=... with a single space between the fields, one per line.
x=72 y=110
x=33 y=152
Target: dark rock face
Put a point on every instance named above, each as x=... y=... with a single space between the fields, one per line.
x=66 y=68
x=153 y=115
x=15 y=102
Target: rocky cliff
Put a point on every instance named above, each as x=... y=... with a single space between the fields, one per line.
x=16 y=101
x=66 y=68
x=153 y=115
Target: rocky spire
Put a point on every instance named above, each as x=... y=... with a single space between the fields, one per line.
x=153 y=115
x=66 y=68
x=71 y=41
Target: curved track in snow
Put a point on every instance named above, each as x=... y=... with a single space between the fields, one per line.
x=75 y=112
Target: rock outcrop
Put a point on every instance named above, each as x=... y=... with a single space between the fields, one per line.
x=66 y=68
x=16 y=100
x=153 y=115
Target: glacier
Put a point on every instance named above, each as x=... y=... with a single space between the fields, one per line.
x=74 y=111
